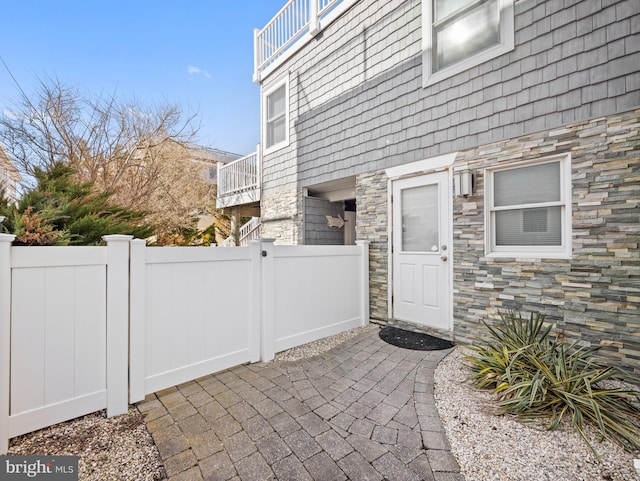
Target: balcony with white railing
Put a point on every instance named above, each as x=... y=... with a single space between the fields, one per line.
x=239 y=181
x=292 y=27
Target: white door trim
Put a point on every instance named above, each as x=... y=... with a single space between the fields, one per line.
x=414 y=169
x=425 y=166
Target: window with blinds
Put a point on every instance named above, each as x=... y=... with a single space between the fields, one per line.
x=529 y=208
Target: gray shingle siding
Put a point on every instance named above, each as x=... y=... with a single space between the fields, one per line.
x=356 y=90
x=571 y=85
x=316 y=231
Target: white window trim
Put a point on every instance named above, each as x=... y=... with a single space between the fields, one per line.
x=552 y=252
x=272 y=87
x=506 y=44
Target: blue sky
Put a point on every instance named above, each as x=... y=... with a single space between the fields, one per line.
x=195 y=53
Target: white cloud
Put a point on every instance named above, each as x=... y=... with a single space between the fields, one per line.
x=197 y=71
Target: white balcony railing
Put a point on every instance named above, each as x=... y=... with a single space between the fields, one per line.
x=248 y=232
x=239 y=181
x=297 y=20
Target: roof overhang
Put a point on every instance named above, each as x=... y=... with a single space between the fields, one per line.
x=334 y=190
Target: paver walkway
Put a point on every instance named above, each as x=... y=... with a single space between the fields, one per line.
x=362 y=411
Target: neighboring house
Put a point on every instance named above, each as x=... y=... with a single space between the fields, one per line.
x=490 y=150
x=209 y=158
x=9 y=176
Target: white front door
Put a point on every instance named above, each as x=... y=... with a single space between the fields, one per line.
x=420 y=250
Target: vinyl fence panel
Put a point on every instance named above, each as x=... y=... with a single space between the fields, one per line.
x=5 y=338
x=314 y=292
x=58 y=335
x=198 y=315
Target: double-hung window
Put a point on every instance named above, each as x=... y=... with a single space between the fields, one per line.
x=276 y=115
x=529 y=209
x=459 y=34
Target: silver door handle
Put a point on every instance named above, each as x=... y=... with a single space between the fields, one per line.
x=443 y=258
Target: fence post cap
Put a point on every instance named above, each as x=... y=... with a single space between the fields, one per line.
x=117 y=238
x=138 y=242
x=8 y=238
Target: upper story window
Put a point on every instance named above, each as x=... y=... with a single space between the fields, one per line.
x=276 y=115
x=459 y=34
x=529 y=209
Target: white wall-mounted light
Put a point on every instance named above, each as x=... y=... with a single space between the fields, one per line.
x=464 y=182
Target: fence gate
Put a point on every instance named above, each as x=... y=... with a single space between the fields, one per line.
x=89 y=328
x=193 y=312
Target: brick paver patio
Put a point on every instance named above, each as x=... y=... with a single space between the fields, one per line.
x=362 y=411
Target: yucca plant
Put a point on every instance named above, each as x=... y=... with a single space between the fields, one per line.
x=537 y=377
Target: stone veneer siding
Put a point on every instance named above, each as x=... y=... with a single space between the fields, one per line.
x=371 y=225
x=595 y=295
x=281 y=217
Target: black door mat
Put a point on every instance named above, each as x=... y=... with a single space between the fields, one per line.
x=417 y=341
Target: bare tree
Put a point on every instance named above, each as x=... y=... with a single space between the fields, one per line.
x=181 y=189
x=140 y=155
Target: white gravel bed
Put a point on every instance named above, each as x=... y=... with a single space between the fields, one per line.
x=318 y=347
x=114 y=449
x=494 y=447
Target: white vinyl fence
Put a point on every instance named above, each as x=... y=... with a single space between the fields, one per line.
x=194 y=312
x=89 y=328
x=311 y=292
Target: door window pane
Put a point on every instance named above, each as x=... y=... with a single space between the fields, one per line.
x=420 y=219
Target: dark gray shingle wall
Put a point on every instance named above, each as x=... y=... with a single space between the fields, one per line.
x=358 y=104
